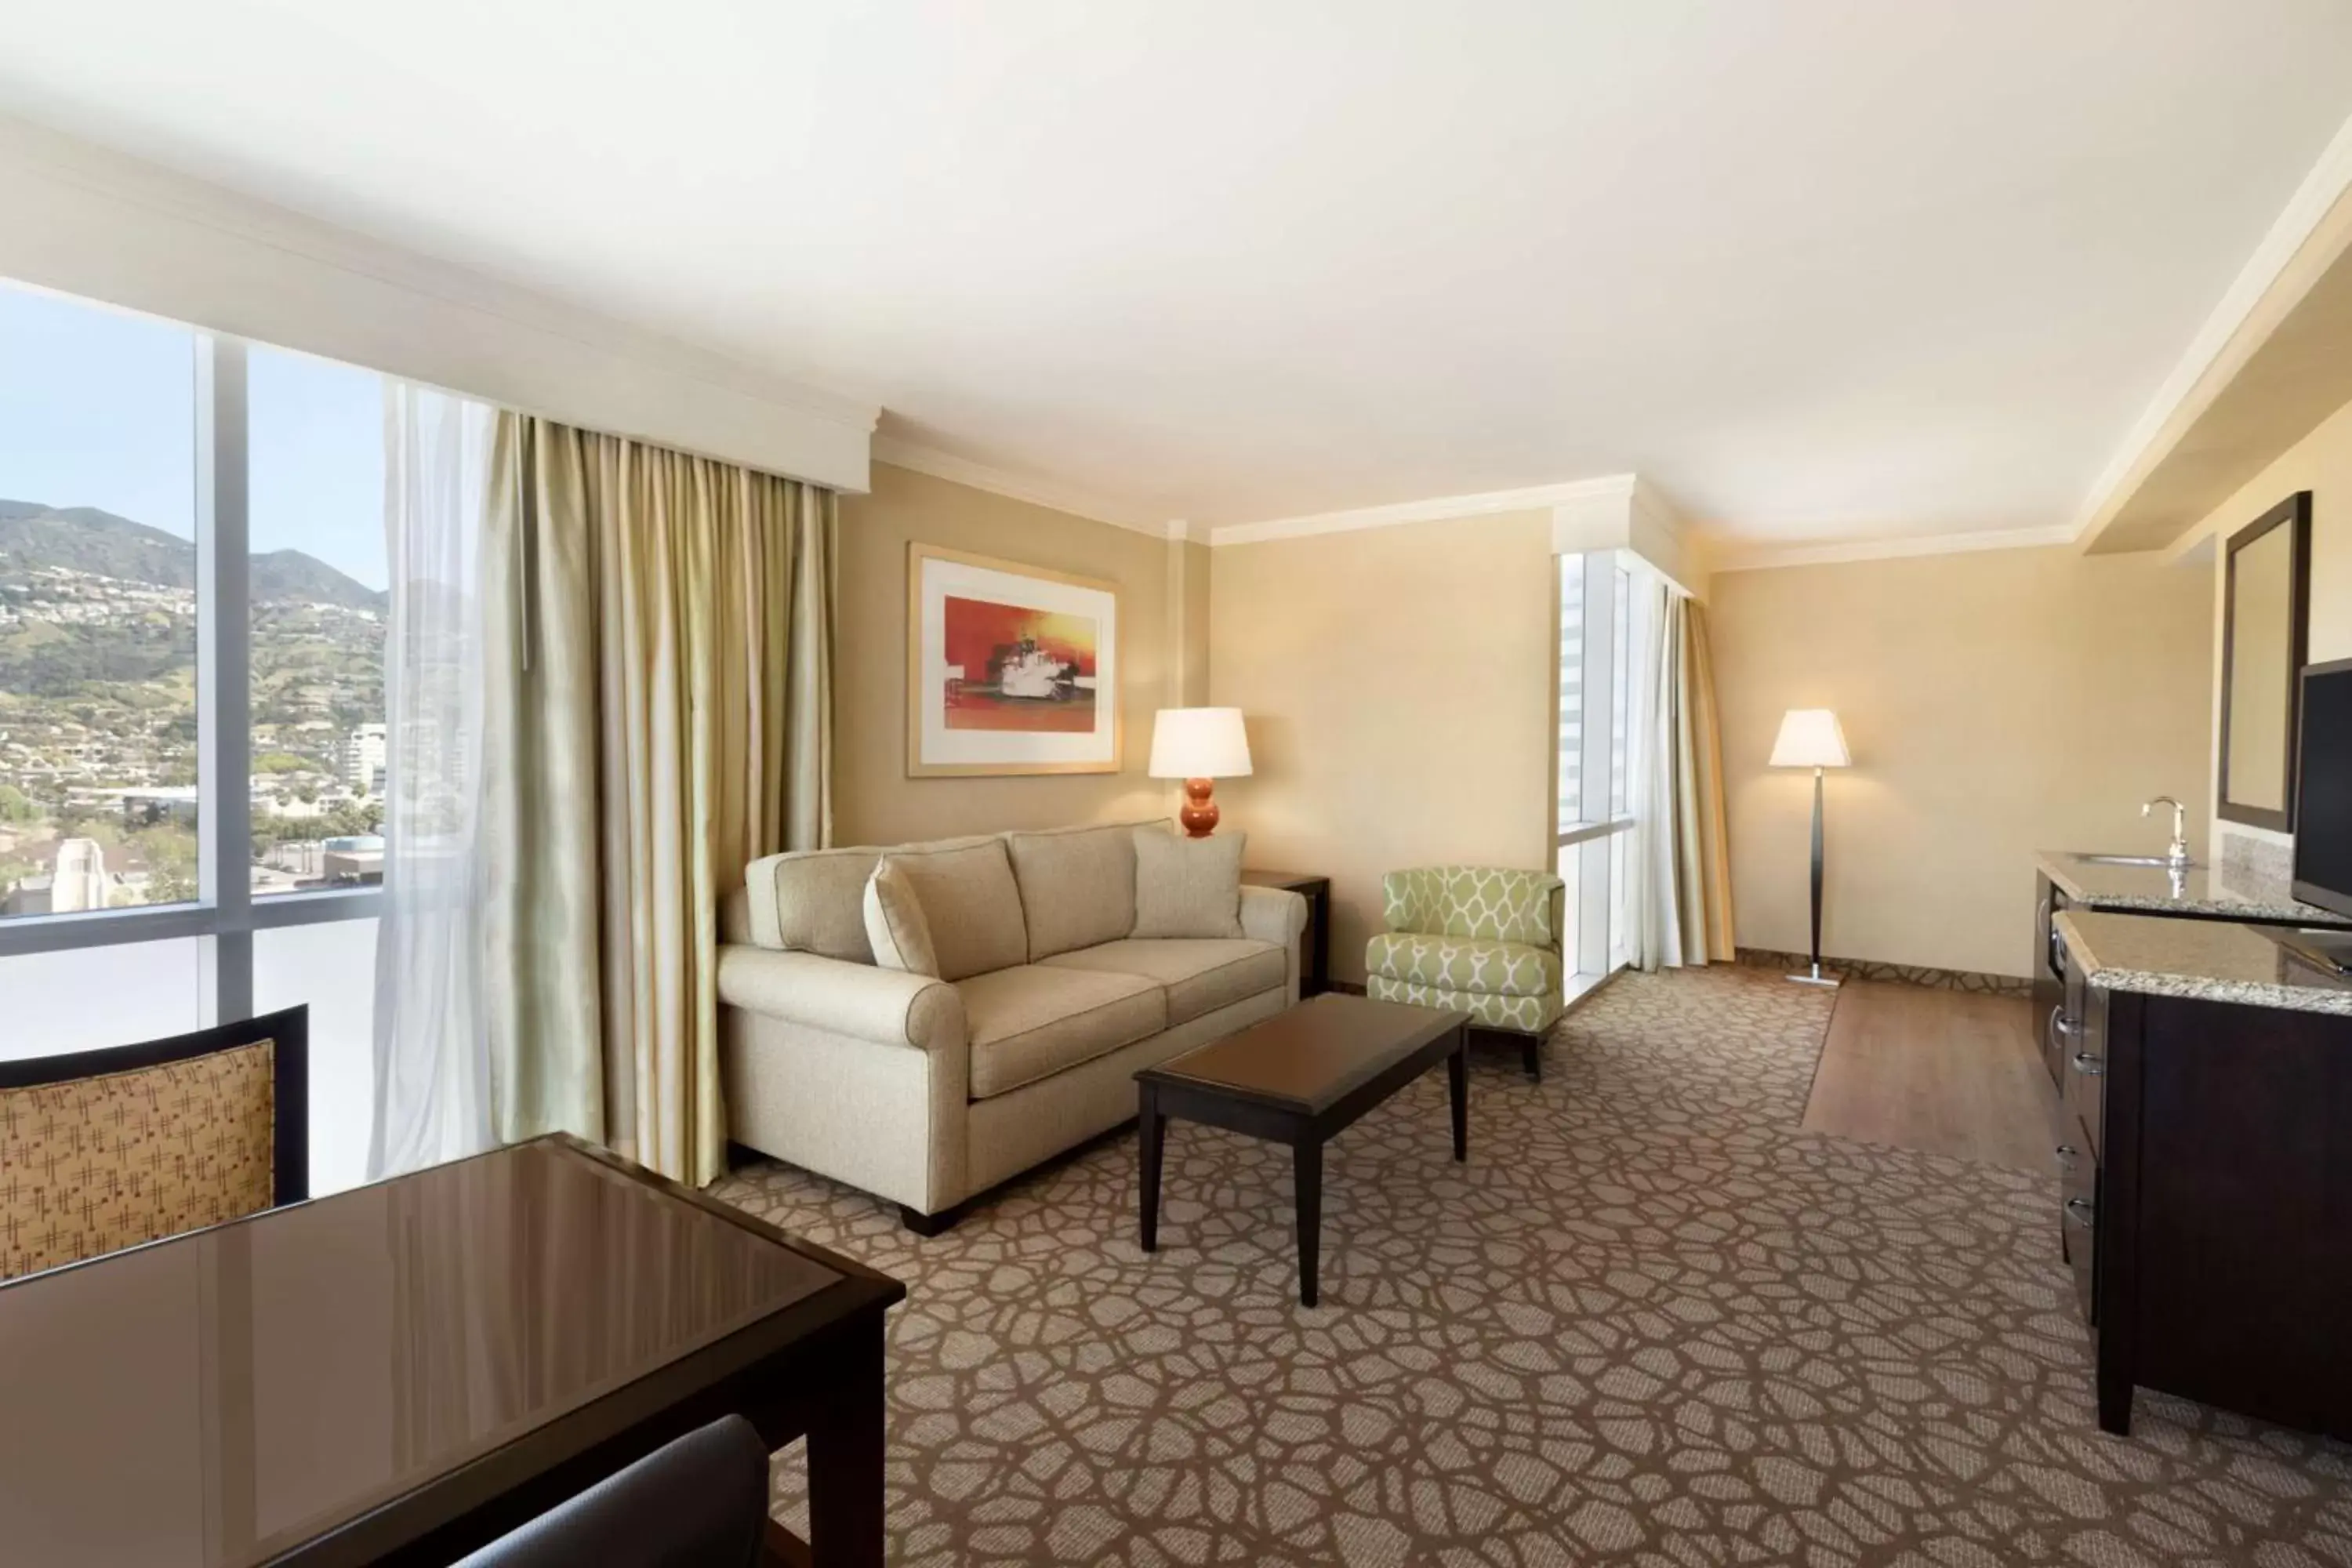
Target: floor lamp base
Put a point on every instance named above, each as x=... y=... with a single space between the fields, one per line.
x=1815 y=977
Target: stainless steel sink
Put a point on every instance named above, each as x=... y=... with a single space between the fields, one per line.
x=2138 y=860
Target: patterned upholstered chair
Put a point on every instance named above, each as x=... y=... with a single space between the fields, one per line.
x=104 y=1149
x=1480 y=939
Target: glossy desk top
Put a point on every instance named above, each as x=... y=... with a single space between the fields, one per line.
x=217 y=1398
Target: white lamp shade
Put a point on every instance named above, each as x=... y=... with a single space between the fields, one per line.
x=1810 y=738
x=1198 y=743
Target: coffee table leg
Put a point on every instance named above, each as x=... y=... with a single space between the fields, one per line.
x=1458 y=1088
x=1150 y=1126
x=1307 y=1178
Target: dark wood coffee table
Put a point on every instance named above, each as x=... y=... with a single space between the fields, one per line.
x=1298 y=1079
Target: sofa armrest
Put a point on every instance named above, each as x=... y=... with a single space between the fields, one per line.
x=1276 y=915
x=888 y=1006
x=1273 y=914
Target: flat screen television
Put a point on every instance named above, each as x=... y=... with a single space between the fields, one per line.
x=2323 y=789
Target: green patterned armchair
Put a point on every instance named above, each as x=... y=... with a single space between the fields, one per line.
x=1477 y=940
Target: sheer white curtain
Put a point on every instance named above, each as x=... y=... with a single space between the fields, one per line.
x=432 y=1057
x=1653 y=898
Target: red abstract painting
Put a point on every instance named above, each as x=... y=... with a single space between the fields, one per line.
x=1014 y=668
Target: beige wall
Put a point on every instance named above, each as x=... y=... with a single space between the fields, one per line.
x=2321 y=463
x=874 y=801
x=1398 y=683
x=1188 y=616
x=1996 y=703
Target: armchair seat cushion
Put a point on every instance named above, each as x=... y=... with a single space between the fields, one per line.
x=1199 y=974
x=1032 y=1020
x=1469 y=965
x=1525 y=1015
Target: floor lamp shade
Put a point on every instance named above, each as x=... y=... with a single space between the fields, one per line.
x=1198 y=745
x=1810 y=738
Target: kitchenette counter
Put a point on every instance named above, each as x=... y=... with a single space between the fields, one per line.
x=2209 y=961
x=2198 y=890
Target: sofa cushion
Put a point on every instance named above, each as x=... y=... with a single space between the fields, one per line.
x=970 y=904
x=895 y=923
x=812 y=900
x=1188 y=887
x=1078 y=886
x=1464 y=963
x=1031 y=1021
x=1199 y=974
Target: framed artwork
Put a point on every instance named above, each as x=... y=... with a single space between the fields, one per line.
x=1010 y=668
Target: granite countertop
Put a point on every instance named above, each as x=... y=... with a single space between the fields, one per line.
x=2198 y=890
x=2209 y=959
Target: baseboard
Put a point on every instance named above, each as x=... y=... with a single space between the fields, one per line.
x=1898 y=973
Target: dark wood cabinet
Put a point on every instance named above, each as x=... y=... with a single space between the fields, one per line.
x=2206 y=1201
x=2078 y=1217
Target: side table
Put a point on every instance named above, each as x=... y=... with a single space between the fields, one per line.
x=1315 y=943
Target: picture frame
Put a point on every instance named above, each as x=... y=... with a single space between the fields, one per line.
x=1011 y=669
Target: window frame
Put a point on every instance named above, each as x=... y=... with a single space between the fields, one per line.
x=1609 y=667
x=224 y=910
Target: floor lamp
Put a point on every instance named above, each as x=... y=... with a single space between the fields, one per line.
x=1810 y=738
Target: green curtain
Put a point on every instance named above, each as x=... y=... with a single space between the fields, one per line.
x=659 y=648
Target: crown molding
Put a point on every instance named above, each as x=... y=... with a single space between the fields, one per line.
x=1189 y=532
x=904 y=454
x=96 y=224
x=2193 y=384
x=1435 y=509
x=1727 y=555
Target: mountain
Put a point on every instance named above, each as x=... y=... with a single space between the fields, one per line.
x=290 y=574
x=85 y=539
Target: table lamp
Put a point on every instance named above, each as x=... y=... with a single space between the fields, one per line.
x=1198 y=745
x=1810 y=738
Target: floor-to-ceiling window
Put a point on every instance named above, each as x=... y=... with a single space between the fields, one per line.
x=1605 y=636
x=192 y=593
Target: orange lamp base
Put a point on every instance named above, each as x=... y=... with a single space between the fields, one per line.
x=1199 y=814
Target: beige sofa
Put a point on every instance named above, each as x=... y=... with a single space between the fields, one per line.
x=929 y=1091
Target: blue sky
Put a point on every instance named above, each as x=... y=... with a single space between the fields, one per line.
x=97 y=408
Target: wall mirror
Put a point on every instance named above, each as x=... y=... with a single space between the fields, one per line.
x=2264 y=627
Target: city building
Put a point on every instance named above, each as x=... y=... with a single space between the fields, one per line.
x=363 y=759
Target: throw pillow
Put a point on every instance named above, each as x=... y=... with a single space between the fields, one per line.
x=894 y=925
x=1188 y=887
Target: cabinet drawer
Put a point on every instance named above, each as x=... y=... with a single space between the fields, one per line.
x=2049 y=1004
x=2084 y=1071
x=2078 y=1213
x=2080 y=1035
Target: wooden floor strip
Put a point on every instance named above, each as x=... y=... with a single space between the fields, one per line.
x=1948 y=1073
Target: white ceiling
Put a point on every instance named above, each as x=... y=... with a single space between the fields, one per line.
x=1820 y=268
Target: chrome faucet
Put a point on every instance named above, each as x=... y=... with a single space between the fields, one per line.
x=2177 y=850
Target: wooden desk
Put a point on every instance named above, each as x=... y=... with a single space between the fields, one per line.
x=405 y=1371
x=1315 y=943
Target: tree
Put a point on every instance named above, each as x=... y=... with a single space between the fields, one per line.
x=15 y=806
x=170 y=851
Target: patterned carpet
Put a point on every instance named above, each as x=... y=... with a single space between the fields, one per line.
x=1651 y=1322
